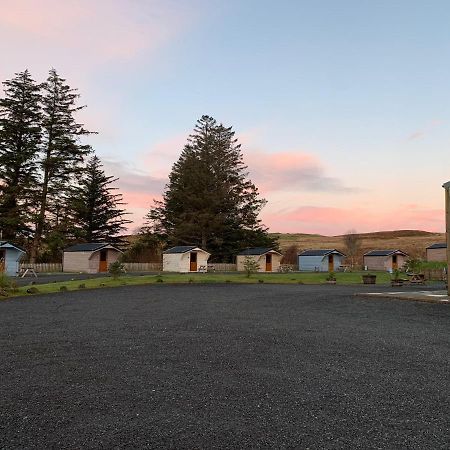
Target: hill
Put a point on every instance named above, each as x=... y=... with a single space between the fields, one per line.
x=413 y=242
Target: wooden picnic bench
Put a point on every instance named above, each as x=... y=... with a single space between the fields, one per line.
x=27 y=270
x=416 y=278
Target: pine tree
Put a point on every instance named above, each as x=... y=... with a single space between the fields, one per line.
x=62 y=153
x=20 y=137
x=96 y=211
x=209 y=201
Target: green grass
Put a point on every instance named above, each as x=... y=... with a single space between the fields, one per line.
x=193 y=278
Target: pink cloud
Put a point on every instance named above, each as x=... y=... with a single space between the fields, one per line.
x=419 y=134
x=163 y=154
x=101 y=29
x=79 y=36
x=291 y=170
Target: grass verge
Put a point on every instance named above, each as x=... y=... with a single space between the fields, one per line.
x=352 y=278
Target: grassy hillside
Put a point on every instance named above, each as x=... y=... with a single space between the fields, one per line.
x=413 y=242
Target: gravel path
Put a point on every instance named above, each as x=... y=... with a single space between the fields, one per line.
x=223 y=366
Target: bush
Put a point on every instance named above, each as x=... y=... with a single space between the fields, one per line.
x=290 y=255
x=331 y=277
x=63 y=288
x=414 y=265
x=14 y=287
x=5 y=281
x=116 y=269
x=250 y=266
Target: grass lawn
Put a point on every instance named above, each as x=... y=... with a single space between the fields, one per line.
x=174 y=278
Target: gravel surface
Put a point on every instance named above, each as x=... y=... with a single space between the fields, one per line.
x=223 y=366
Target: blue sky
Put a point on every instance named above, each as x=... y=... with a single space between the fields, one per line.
x=342 y=107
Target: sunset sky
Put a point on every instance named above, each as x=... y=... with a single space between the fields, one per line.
x=342 y=107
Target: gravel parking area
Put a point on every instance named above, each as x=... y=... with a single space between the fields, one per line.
x=223 y=366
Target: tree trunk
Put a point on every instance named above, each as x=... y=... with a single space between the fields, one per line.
x=42 y=208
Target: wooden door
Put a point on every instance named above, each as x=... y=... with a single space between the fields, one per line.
x=193 y=262
x=394 y=262
x=330 y=263
x=268 y=263
x=103 y=264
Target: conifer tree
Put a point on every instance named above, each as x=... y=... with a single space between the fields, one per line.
x=20 y=137
x=62 y=153
x=96 y=210
x=209 y=201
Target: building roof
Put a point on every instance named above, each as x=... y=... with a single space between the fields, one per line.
x=320 y=252
x=257 y=251
x=181 y=249
x=385 y=253
x=5 y=244
x=439 y=245
x=89 y=247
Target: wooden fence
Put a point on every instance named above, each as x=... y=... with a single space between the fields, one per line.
x=222 y=267
x=142 y=267
x=434 y=274
x=129 y=267
x=42 y=267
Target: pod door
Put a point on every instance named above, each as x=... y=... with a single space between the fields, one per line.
x=331 y=263
x=193 y=262
x=269 y=263
x=394 y=262
x=103 y=264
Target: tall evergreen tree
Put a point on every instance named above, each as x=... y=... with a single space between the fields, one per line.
x=209 y=201
x=96 y=210
x=62 y=152
x=20 y=137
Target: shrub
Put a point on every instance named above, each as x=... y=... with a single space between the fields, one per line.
x=82 y=286
x=116 y=269
x=250 y=266
x=5 y=281
x=260 y=281
x=290 y=255
x=414 y=265
x=14 y=287
x=159 y=279
x=63 y=288
x=331 y=277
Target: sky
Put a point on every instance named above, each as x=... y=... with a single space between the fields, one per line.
x=342 y=107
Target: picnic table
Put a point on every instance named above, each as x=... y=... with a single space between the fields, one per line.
x=27 y=270
x=416 y=278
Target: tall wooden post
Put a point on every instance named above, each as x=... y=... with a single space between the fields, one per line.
x=446 y=186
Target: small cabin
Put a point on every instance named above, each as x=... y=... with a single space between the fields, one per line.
x=185 y=258
x=268 y=260
x=10 y=257
x=92 y=257
x=320 y=260
x=388 y=260
x=437 y=252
